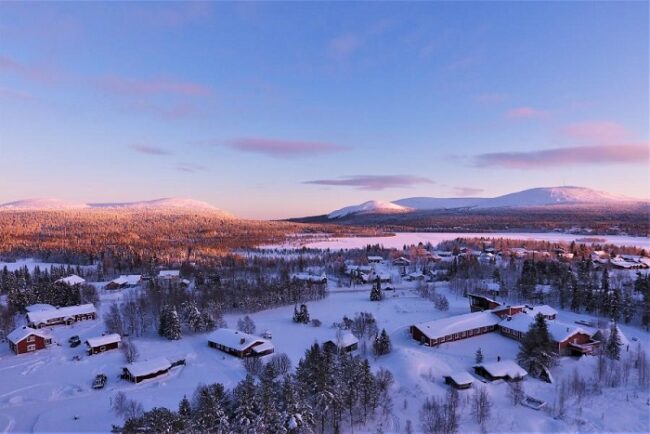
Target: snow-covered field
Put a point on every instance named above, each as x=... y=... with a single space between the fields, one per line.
x=32 y=263
x=408 y=238
x=46 y=390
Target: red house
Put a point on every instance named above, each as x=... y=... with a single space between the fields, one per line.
x=26 y=340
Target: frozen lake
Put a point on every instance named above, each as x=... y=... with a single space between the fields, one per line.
x=408 y=238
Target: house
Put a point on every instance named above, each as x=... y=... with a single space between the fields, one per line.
x=507 y=311
x=239 y=344
x=504 y=370
x=104 y=343
x=343 y=342
x=459 y=380
x=414 y=276
x=26 y=340
x=124 y=281
x=454 y=328
x=401 y=262
x=140 y=371
x=570 y=340
x=169 y=274
x=375 y=259
x=72 y=280
x=61 y=315
x=478 y=303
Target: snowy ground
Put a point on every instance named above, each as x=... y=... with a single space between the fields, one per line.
x=44 y=391
x=408 y=238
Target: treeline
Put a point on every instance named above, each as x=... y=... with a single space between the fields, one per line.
x=327 y=392
x=126 y=240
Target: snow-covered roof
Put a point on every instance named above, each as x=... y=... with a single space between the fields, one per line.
x=344 y=340
x=375 y=258
x=309 y=277
x=38 y=307
x=71 y=280
x=544 y=309
x=169 y=273
x=455 y=324
x=504 y=368
x=462 y=377
x=146 y=367
x=22 y=332
x=234 y=339
x=104 y=340
x=265 y=346
x=559 y=331
x=130 y=279
x=61 y=312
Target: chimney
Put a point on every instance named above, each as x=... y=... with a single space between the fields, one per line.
x=242 y=340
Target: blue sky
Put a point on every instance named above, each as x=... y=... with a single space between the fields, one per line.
x=271 y=110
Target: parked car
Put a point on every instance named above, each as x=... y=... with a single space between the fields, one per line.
x=73 y=338
x=74 y=341
x=100 y=381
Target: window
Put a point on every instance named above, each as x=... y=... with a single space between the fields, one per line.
x=31 y=338
x=102 y=348
x=31 y=347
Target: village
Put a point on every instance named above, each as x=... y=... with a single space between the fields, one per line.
x=62 y=356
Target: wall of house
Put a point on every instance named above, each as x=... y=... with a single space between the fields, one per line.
x=22 y=346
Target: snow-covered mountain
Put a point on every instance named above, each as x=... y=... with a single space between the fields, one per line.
x=370 y=207
x=534 y=197
x=169 y=204
x=526 y=198
x=42 y=204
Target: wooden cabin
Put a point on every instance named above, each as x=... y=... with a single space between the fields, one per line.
x=104 y=343
x=140 y=371
x=61 y=315
x=239 y=344
x=27 y=340
x=459 y=380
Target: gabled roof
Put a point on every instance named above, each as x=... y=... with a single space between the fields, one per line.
x=559 y=331
x=140 y=369
x=129 y=279
x=344 y=340
x=71 y=280
x=455 y=324
x=21 y=333
x=235 y=339
x=62 y=312
x=104 y=340
x=504 y=368
x=461 y=378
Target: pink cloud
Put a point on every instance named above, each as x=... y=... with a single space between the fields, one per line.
x=571 y=156
x=40 y=73
x=373 y=182
x=525 y=113
x=343 y=46
x=145 y=148
x=284 y=148
x=15 y=94
x=154 y=86
x=597 y=131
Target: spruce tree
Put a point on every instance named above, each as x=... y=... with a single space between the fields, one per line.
x=269 y=399
x=247 y=418
x=382 y=343
x=375 y=293
x=537 y=351
x=613 y=346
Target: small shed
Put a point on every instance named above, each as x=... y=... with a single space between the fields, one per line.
x=104 y=343
x=345 y=343
x=460 y=380
x=140 y=371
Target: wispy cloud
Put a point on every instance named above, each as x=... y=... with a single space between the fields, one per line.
x=153 y=86
x=467 y=191
x=525 y=113
x=604 y=131
x=190 y=167
x=343 y=46
x=570 y=156
x=373 y=182
x=284 y=148
x=6 y=93
x=41 y=73
x=148 y=149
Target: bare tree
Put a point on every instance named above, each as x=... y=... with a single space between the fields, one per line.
x=253 y=365
x=517 y=392
x=126 y=408
x=481 y=406
x=130 y=351
x=281 y=364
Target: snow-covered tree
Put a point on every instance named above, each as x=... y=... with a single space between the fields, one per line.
x=478 y=357
x=613 y=346
x=247 y=418
x=537 y=349
x=382 y=343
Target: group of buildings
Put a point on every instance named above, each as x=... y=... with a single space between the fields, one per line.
x=488 y=316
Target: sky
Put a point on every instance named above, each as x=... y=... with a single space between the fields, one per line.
x=273 y=110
